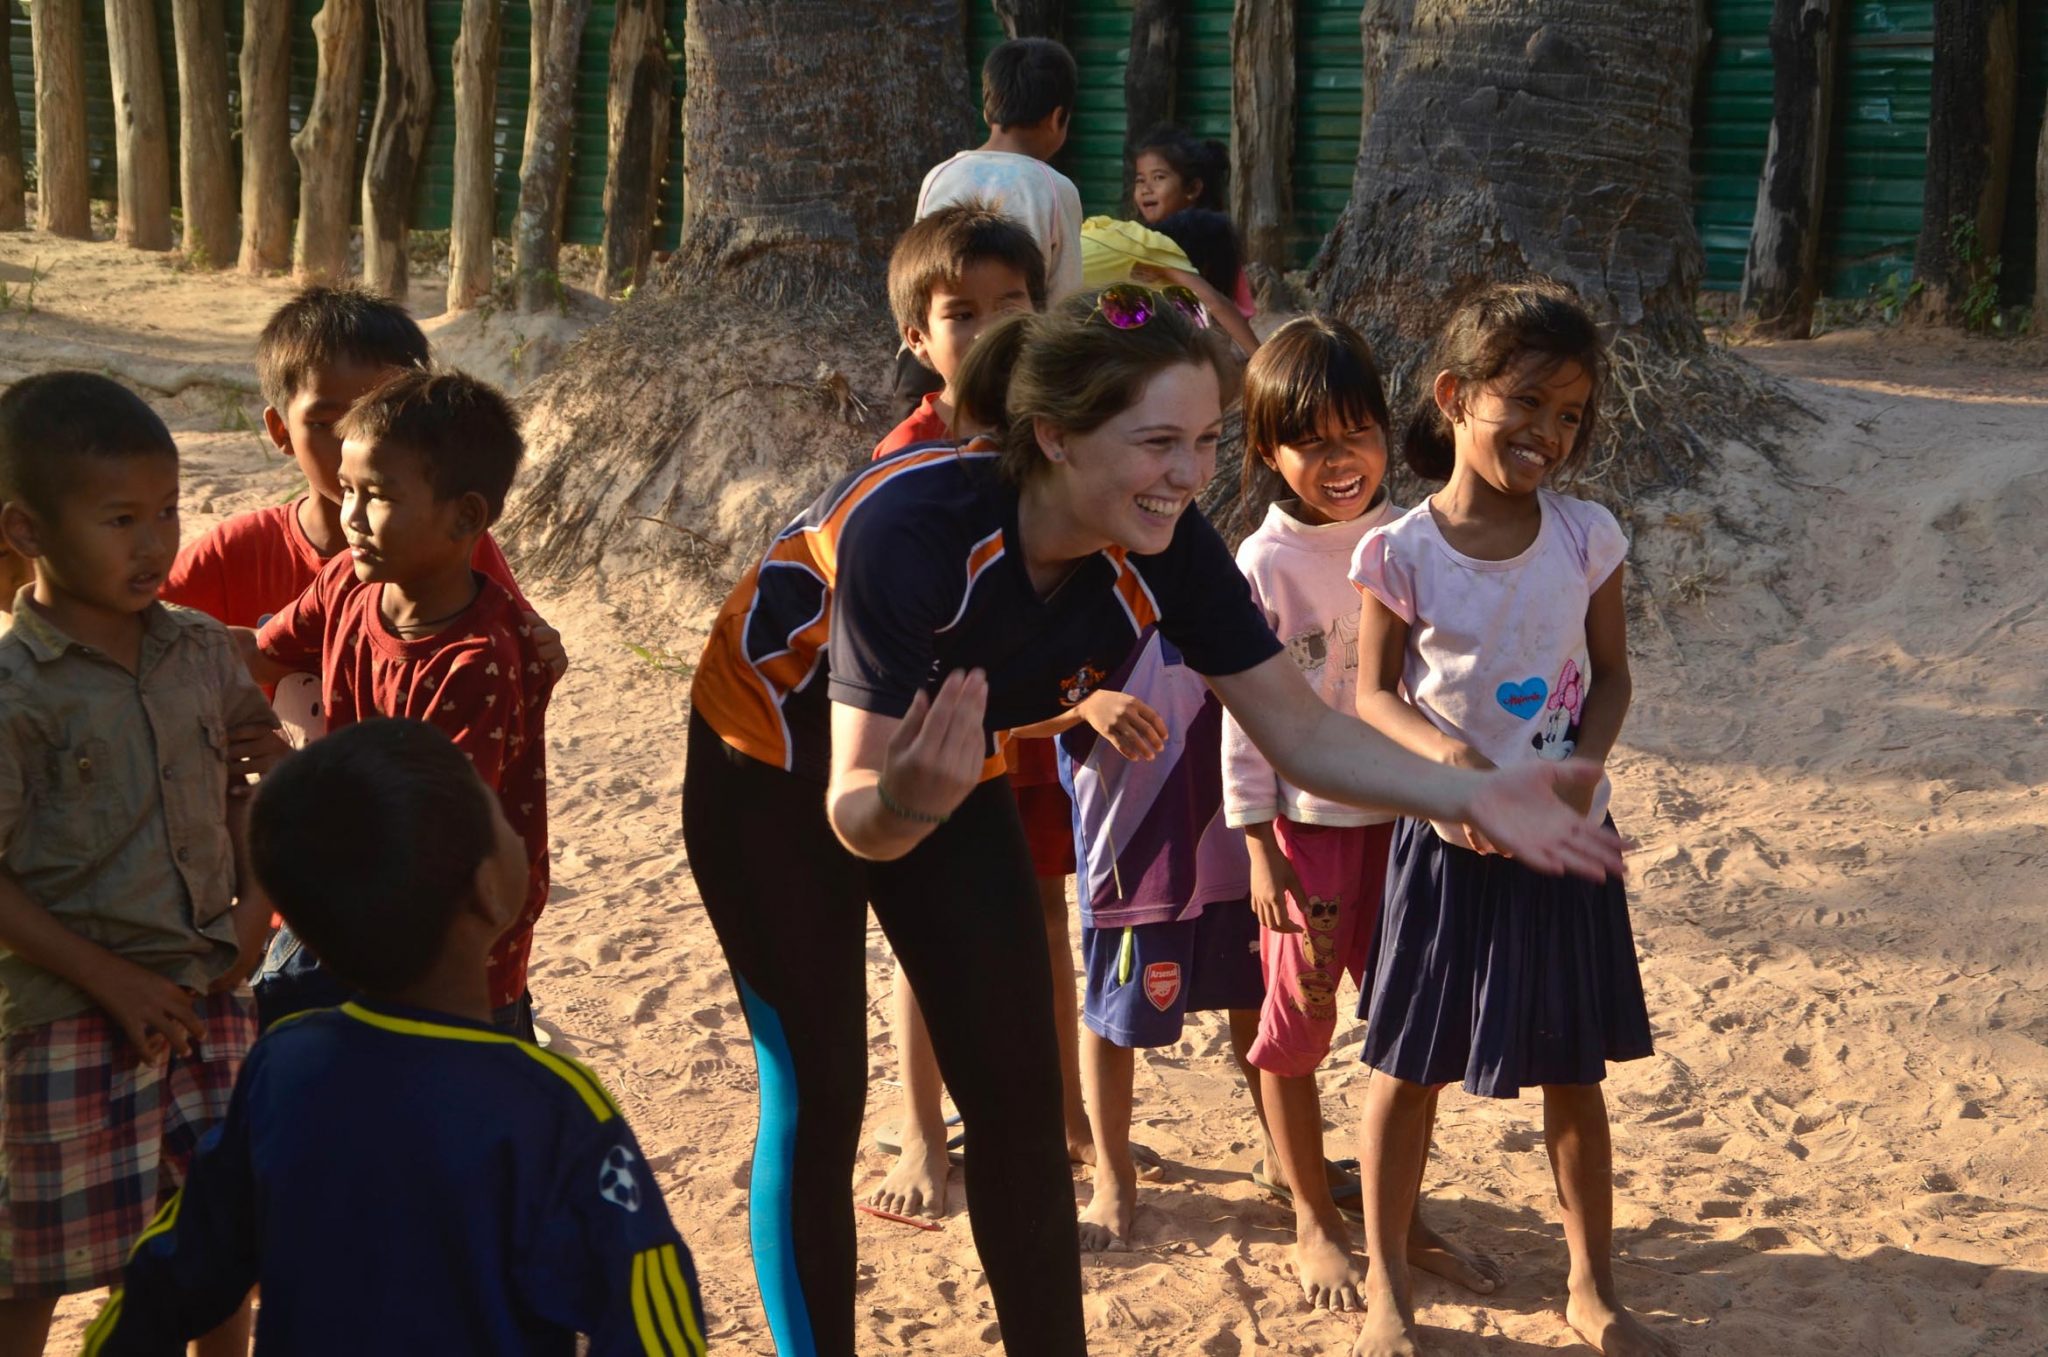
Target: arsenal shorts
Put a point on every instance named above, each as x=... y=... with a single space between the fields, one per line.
x=1144 y=979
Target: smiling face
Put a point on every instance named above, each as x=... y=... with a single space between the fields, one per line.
x=1336 y=471
x=398 y=532
x=106 y=550
x=1514 y=431
x=1127 y=481
x=962 y=308
x=304 y=429
x=1158 y=188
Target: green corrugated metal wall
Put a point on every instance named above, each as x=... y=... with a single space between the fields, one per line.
x=1877 y=169
x=1329 y=80
x=1201 y=77
x=584 y=218
x=1099 y=35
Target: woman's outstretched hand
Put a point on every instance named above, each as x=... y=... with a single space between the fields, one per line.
x=1522 y=812
x=935 y=755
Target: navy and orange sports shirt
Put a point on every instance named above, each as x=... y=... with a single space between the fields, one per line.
x=909 y=569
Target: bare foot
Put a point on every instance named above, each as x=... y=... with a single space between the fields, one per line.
x=1432 y=1252
x=1329 y=1279
x=1387 y=1332
x=1106 y=1220
x=1612 y=1330
x=917 y=1185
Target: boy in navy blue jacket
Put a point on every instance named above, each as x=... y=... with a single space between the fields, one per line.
x=397 y=1175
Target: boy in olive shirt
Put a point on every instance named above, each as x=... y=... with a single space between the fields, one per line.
x=122 y=950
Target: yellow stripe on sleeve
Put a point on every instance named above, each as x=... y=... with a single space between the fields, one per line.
x=643 y=1314
x=166 y=1220
x=680 y=1289
x=96 y=1333
x=664 y=1303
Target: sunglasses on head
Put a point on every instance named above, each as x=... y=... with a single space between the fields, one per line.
x=1128 y=306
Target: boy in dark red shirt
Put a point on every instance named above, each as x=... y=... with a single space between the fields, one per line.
x=318 y=354
x=401 y=624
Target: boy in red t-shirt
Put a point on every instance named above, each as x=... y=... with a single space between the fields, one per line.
x=318 y=354
x=952 y=275
x=402 y=624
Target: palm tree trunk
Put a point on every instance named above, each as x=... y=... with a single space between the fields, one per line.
x=405 y=103
x=638 y=126
x=142 y=136
x=206 y=168
x=472 y=220
x=267 y=164
x=742 y=375
x=1518 y=137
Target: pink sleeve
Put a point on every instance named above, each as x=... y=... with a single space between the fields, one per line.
x=296 y=634
x=1605 y=546
x=1377 y=570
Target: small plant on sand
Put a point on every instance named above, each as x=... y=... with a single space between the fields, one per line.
x=1978 y=305
x=664 y=659
x=23 y=298
x=1891 y=297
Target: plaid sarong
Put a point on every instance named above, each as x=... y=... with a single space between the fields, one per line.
x=91 y=1144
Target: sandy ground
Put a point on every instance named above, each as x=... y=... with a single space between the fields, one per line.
x=1833 y=768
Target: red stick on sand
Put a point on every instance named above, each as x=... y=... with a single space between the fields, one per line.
x=900 y=1220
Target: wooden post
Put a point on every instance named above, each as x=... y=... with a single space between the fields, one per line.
x=1781 y=279
x=2041 y=229
x=13 y=203
x=638 y=128
x=206 y=185
x=1148 y=76
x=63 y=190
x=1969 y=156
x=142 y=142
x=398 y=132
x=472 y=222
x=1028 y=19
x=544 y=171
x=1262 y=126
x=267 y=165
x=326 y=143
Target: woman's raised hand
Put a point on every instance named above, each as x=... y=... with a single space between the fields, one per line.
x=1522 y=812
x=935 y=755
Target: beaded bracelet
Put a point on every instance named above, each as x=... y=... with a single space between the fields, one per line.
x=903 y=812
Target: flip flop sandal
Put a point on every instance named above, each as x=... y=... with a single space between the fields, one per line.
x=1341 y=1193
x=889 y=1140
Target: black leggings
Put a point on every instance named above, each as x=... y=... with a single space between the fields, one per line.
x=789 y=904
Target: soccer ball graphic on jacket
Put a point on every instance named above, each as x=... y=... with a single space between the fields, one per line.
x=615 y=1180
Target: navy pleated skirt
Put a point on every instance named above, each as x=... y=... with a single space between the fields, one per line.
x=1496 y=976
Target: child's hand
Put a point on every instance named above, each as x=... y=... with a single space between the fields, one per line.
x=1579 y=795
x=1273 y=880
x=1458 y=754
x=1157 y=275
x=1137 y=732
x=1523 y=813
x=547 y=644
x=155 y=1014
x=253 y=750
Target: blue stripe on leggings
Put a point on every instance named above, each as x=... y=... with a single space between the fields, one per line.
x=772 y=1192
